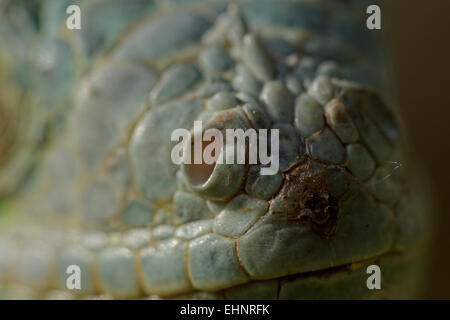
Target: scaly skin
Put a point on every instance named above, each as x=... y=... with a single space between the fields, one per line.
x=101 y=192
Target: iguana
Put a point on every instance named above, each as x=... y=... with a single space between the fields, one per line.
x=87 y=179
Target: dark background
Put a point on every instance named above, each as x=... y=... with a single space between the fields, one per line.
x=418 y=33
